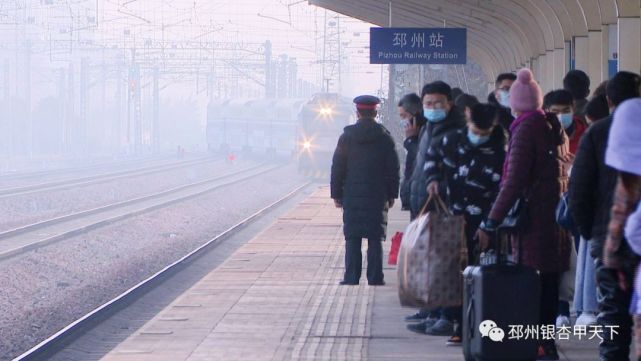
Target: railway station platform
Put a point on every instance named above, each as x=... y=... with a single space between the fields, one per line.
x=277 y=298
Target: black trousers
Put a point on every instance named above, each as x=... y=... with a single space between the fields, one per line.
x=614 y=305
x=354 y=260
x=549 y=300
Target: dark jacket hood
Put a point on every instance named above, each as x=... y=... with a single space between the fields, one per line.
x=365 y=131
x=497 y=139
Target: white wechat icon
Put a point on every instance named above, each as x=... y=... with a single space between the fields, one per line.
x=496 y=334
x=489 y=328
x=486 y=326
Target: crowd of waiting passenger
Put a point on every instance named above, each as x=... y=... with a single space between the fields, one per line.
x=481 y=157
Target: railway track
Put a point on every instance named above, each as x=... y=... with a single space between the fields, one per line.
x=8 y=176
x=100 y=178
x=33 y=236
x=81 y=326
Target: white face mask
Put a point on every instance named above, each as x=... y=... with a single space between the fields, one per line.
x=504 y=98
x=565 y=119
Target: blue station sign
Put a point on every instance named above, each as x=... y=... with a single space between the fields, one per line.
x=418 y=45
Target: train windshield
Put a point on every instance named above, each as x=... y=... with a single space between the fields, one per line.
x=324 y=119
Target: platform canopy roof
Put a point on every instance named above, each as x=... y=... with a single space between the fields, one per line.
x=503 y=35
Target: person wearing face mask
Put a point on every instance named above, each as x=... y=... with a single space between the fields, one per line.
x=585 y=299
x=442 y=116
x=561 y=103
x=410 y=112
x=535 y=171
x=501 y=98
x=468 y=162
x=591 y=196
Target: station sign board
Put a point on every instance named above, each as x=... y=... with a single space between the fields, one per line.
x=418 y=45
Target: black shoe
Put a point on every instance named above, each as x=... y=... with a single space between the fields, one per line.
x=442 y=327
x=418 y=316
x=418 y=327
x=380 y=283
x=347 y=283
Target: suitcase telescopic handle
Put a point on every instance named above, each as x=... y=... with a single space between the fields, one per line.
x=498 y=245
x=470 y=318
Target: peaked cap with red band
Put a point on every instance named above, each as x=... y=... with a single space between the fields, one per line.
x=366 y=102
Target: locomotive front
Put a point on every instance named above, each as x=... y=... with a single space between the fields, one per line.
x=321 y=121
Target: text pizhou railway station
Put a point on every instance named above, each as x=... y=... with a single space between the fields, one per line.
x=415 y=55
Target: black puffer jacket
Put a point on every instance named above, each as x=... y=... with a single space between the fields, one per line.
x=411 y=146
x=592 y=185
x=365 y=175
x=433 y=132
x=472 y=174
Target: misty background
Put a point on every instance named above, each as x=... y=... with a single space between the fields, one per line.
x=86 y=78
x=81 y=77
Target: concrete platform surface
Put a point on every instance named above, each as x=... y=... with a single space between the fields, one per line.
x=277 y=298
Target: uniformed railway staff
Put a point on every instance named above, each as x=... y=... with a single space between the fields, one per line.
x=364 y=182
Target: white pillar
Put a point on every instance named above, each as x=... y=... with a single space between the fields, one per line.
x=548 y=71
x=568 y=56
x=539 y=73
x=605 y=54
x=581 y=53
x=595 y=57
x=559 y=67
x=613 y=53
x=629 y=44
x=534 y=66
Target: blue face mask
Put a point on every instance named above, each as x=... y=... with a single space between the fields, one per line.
x=403 y=123
x=477 y=139
x=504 y=98
x=434 y=115
x=565 y=119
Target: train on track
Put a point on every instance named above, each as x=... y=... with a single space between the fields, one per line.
x=305 y=130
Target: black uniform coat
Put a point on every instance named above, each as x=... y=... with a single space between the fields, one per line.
x=365 y=176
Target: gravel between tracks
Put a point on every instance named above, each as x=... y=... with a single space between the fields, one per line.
x=45 y=290
x=30 y=208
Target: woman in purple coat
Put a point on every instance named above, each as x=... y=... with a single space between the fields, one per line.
x=536 y=170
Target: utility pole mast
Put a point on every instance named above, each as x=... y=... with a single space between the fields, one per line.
x=330 y=73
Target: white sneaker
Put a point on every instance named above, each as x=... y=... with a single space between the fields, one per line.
x=586 y=319
x=562 y=321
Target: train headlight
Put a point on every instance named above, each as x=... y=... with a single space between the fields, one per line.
x=307 y=145
x=326 y=111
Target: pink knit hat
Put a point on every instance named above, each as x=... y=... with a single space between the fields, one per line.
x=525 y=93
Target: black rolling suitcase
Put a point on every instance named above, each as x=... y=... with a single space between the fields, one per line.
x=496 y=296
